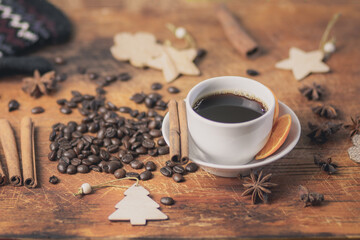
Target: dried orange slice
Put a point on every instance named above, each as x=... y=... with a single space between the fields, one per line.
x=279 y=133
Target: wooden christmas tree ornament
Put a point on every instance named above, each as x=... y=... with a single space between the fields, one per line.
x=137 y=207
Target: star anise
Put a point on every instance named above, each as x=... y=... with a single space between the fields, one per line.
x=324 y=110
x=257 y=186
x=314 y=92
x=38 y=85
x=325 y=165
x=354 y=127
x=310 y=198
x=321 y=133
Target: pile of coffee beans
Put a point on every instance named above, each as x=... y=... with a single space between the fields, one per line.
x=104 y=141
x=151 y=100
x=176 y=171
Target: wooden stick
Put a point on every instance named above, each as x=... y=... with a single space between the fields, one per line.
x=183 y=132
x=28 y=153
x=236 y=34
x=2 y=176
x=174 y=131
x=8 y=143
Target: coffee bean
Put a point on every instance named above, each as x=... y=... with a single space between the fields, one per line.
x=93 y=127
x=179 y=169
x=177 y=177
x=82 y=128
x=95 y=149
x=59 y=153
x=52 y=135
x=71 y=169
x=93 y=76
x=86 y=162
x=113 y=148
x=162 y=150
x=134 y=113
x=113 y=166
x=124 y=77
x=127 y=158
x=133 y=174
x=37 y=110
x=146 y=175
x=54 y=146
x=103 y=165
x=153 y=152
x=70 y=154
x=148 y=143
x=75 y=161
x=71 y=104
x=124 y=109
x=77 y=99
x=136 y=164
x=138 y=97
x=155 y=96
x=200 y=54
x=119 y=173
x=166 y=171
x=82 y=169
x=115 y=141
x=100 y=91
x=167 y=201
x=61 y=167
x=59 y=60
x=61 y=101
x=13 y=105
x=170 y=163
x=191 y=167
x=65 y=110
x=110 y=79
x=155 y=133
x=161 y=142
x=141 y=150
x=173 y=90
x=52 y=155
x=76 y=134
x=156 y=86
x=107 y=142
x=149 y=102
x=95 y=168
x=150 y=166
x=54 y=180
x=110 y=132
x=122 y=153
x=252 y=72
x=94 y=159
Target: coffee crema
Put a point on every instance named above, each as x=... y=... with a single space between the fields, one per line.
x=229 y=108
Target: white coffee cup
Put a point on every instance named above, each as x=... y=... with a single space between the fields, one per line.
x=230 y=143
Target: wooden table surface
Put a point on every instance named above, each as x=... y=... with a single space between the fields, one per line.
x=206 y=206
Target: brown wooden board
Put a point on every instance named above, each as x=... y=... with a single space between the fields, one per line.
x=206 y=206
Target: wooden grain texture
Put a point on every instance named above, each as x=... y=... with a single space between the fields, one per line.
x=206 y=206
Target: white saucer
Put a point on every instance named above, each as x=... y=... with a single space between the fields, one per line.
x=202 y=159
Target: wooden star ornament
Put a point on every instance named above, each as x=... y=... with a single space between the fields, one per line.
x=303 y=63
x=174 y=62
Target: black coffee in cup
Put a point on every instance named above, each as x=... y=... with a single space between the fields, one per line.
x=229 y=108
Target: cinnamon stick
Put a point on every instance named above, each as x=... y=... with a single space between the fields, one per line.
x=174 y=131
x=183 y=132
x=2 y=176
x=8 y=143
x=236 y=34
x=28 y=153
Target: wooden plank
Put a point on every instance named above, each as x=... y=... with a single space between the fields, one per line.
x=206 y=206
